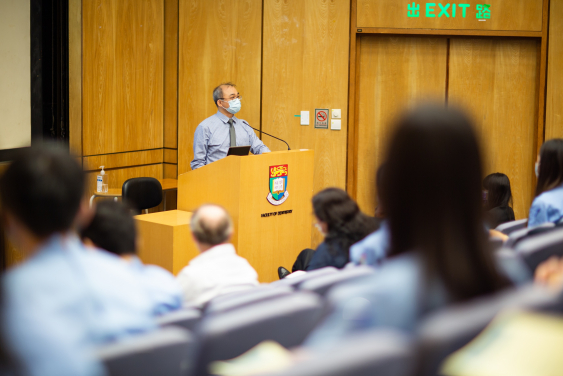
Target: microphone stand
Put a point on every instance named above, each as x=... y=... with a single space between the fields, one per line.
x=288 y=148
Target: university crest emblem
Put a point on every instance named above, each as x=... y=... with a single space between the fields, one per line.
x=278 y=185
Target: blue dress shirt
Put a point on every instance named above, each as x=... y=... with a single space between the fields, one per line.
x=373 y=249
x=212 y=139
x=64 y=301
x=396 y=296
x=161 y=286
x=547 y=207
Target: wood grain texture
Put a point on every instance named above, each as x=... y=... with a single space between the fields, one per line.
x=266 y=242
x=75 y=76
x=134 y=158
x=171 y=18
x=395 y=74
x=116 y=177
x=170 y=156
x=554 y=108
x=165 y=239
x=496 y=81
x=219 y=41
x=123 y=75
x=505 y=15
x=305 y=66
x=170 y=171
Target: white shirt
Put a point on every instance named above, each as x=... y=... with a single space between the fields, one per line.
x=217 y=271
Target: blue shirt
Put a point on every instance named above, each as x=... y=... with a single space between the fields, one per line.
x=395 y=296
x=373 y=249
x=212 y=139
x=547 y=207
x=323 y=258
x=161 y=286
x=65 y=300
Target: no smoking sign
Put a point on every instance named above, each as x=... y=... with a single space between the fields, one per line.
x=321 y=118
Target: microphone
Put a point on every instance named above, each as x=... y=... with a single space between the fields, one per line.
x=288 y=148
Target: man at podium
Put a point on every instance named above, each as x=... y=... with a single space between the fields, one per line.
x=216 y=134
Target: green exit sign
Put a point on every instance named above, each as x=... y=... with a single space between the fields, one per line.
x=482 y=11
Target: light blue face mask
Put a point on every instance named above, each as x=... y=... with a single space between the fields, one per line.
x=234 y=106
x=537 y=169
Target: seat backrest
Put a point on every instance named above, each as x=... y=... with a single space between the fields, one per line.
x=287 y=320
x=448 y=330
x=167 y=351
x=517 y=236
x=378 y=352
x=538 y=249
x=509 y=227
x=186 y=318
x=296 y=281
x=225 y=303
x=142 y=193
x=322 y=284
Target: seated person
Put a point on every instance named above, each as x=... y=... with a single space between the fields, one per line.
x=548 y=204
x=439 y=253
x=218 y=269
x=342 y=223
x=497 y=197
x=113 y=229
x=373 y=249
x=63 y=300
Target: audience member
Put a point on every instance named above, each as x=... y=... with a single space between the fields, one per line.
x=63 y=300
x=373 y=249
x=342 y=223
x=439 y=253
x=113 y=229
x=218 y=269
x=498 y=203
x=548 y=204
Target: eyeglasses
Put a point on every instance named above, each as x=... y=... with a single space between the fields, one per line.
x=239 y=97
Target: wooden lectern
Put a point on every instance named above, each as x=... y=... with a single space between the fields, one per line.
x=269 y=198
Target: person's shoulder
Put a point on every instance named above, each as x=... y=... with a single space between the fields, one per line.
x=206 y=123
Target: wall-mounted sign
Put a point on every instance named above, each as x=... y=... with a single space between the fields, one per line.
x=321 y=118
x=431 y=10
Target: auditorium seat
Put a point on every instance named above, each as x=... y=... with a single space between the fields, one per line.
x=168 y=351
x=296 y=281
x=236 y=300
x=322 y=284
x=379 y=352
x=287 y=320
x=538 y=249
x=516 y=236
x=509 y=227
x=187 y=318
x=450 y=329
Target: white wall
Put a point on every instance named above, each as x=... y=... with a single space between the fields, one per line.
x=15 y=90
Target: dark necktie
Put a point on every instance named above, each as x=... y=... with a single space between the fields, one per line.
x=232 y=133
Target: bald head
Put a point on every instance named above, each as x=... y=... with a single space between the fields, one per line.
x=211 y=225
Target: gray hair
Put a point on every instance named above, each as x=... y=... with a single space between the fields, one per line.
x=218 y=91
x=211 y=224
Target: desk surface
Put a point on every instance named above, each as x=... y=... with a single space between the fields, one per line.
x=168 y=218
x=167 y=185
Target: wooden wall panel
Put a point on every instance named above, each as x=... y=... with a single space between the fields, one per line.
x=395 y=74
x=554 y=110
x=134 y=158
x=305 y=66
x=171 y=73
x=219 y=41
x=522 y=15
x=496 y=80
x=75 y=76
x=123 y=75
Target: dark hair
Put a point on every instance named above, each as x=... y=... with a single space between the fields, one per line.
x=112 y=228
x=551 y=166
x=43 y=188
x=346 y=223
x=432 y=196
x=211 y=232
x=499 y=192
x=218 y=91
